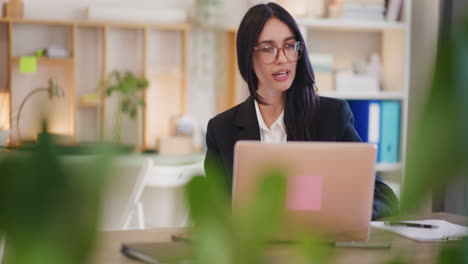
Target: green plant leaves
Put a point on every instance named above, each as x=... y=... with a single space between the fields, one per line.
x=439 y=148
x=133 y=113
x=125 y=105
x=130 y=96
x=224 y=236
x=438 y=152
x=141 y=102
x=49 y=208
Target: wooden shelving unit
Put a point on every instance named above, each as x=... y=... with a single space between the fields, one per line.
x=388 y=167
x=94 y=54
x=391 y=40
x=47 y=60
x=99 y=24
x=383 y=95
x=89 y=104
x=350 y=24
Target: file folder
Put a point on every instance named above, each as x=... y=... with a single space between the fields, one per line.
x=367 y=120
x=390 y=132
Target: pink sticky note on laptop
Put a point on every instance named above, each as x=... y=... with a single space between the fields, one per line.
x=304 y=193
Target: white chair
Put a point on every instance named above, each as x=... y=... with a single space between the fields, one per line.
x=121 y=198
x=121 y=202
x=164 y=195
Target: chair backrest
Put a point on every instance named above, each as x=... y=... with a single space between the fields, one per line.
x=122 y=192
x=164 y=198
x=125 y=187
x=172 y=176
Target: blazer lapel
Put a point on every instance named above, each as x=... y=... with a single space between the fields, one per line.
x=246 y=121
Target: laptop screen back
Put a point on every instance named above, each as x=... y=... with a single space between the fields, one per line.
x=329 y=188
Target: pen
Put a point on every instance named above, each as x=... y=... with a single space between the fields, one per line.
x=410 y=224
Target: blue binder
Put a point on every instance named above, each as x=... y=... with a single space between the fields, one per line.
x=367 y=120
x=390 y=132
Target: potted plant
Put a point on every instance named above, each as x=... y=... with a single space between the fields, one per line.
x=129 y=89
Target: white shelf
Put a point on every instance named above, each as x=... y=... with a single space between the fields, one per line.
x=388 y=167
x=364 y=95
x=349 y=24
x=68 y=60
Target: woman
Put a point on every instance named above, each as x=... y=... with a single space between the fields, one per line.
x=283 y=104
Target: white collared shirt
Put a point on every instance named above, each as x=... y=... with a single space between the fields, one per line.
x=276 y=133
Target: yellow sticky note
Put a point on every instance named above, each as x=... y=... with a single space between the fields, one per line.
x=28 y=64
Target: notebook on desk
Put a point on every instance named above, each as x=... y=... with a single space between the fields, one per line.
x=330 y=185
x=443 y=231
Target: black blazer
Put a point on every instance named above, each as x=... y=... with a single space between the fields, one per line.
x=334 y=122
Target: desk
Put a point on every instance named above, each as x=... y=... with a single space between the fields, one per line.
x=108 y=250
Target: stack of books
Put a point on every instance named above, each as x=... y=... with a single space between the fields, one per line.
x=364 y=9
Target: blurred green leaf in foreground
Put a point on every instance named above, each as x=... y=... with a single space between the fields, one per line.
x=243 y=234
x=438 y=153
x=439 y=150
x=49 y=212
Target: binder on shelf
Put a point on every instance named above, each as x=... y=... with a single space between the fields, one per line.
x=367 y=120
x=390 y=131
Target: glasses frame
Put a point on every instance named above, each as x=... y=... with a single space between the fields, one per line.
x=277 y=49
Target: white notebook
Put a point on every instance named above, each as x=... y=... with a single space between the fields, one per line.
x=445 y=231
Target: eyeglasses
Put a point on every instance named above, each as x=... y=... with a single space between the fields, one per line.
x=268 y=53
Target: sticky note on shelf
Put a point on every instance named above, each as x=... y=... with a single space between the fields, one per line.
x=28 y=64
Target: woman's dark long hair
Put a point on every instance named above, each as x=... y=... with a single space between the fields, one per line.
x=301 y=102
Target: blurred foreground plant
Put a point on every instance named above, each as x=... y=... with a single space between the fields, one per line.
x=439 y=150
x=48 y=212
x=241 y=235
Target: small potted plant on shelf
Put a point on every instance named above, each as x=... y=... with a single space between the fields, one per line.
x=129 y=89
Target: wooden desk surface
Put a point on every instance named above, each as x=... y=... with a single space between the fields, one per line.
x=108 y=250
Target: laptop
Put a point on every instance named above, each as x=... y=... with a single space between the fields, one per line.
x=330 y=185
x=330 y=189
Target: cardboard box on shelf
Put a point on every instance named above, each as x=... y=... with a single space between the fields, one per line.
x=346 y=82
x=13 y=9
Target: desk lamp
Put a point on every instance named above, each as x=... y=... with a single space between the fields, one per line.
x=52 y=89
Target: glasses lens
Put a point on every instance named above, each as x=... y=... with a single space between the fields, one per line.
x=267 y=53
x=293 y=51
